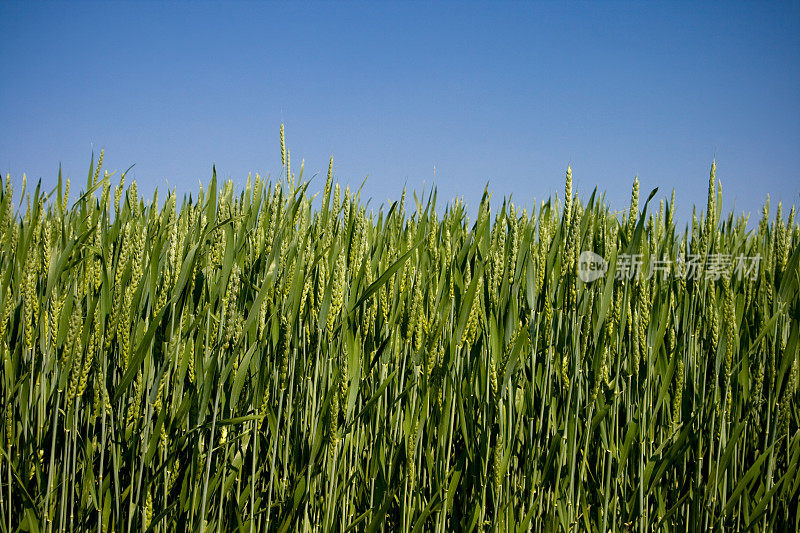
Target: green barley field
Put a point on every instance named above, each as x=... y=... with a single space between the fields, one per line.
x=286 y=359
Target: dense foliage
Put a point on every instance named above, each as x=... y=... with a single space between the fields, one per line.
x=268 y=360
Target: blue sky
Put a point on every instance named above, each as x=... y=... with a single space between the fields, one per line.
x=508 y=93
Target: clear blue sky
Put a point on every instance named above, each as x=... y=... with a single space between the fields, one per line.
x=508 y=93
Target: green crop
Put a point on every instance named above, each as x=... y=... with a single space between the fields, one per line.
x=268 y=359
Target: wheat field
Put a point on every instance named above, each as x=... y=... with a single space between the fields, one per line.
x=272 y=359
